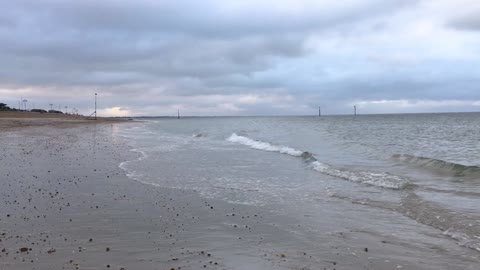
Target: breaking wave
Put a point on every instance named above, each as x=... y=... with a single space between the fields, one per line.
x=462 y=227
x=437 y=164
x=264 y=145
x=385 y=180
x=379 y=179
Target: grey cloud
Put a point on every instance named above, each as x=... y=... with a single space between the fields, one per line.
x=76 y=33
x=469 y=22
x=208 y=18
x=139 y=52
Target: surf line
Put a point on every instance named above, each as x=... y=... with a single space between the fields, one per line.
x=379 y=179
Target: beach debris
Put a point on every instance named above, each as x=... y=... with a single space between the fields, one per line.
x=23 y=249
x=52 y=250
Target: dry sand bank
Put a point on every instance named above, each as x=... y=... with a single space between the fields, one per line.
x=9 y=120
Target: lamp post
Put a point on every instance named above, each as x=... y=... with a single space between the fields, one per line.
x=95 y=106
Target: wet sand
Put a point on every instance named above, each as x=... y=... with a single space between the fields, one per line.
x=65 y=204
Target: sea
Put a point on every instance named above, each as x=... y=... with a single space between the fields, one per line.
x=412 y=177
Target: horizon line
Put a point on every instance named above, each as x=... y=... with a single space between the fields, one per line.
x=288 y=115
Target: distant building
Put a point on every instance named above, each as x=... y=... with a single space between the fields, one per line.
x=54 y=111
x=38 y=110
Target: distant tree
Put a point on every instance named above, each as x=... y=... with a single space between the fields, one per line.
x=4 y=107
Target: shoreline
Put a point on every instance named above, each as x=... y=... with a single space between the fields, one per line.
x=68 y=205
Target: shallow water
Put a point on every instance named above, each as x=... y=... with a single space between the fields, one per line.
x=417 y=176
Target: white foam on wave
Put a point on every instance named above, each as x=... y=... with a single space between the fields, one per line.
x=264 y=145
x=129 y=172
x=378 y=179
x=371 y=178
x=464 y=240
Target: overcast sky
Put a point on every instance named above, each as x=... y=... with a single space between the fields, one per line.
x=242 y=57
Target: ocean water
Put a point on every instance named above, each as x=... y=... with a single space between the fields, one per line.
x=416 y=176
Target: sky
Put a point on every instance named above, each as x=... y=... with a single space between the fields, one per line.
x=242 y=57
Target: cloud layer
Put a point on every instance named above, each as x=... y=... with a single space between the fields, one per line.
x=241 y=57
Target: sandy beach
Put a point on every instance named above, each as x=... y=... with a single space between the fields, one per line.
x=66 y=204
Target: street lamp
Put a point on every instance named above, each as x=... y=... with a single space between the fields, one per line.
x=95 y=106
